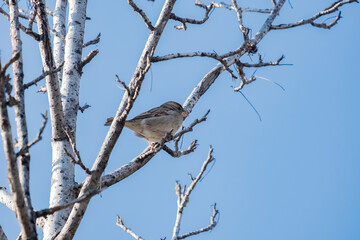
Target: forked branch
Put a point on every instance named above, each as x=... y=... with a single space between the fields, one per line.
x=213 y=223
x=77 y=153
x=121 y=224
x=208 y=9
x=183 y=195
x=142 y=15
x=38 y=136
x=331 y=9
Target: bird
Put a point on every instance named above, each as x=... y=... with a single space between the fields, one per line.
x=155 y=123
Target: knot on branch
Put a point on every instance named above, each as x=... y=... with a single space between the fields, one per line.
x=251 y=48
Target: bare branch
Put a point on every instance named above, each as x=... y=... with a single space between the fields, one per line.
x=183 y=198
x=8 y=64
x=6 y=199
x=177 y=153
x=49 y=11
x=332 y=8
x=38 y=137
x=21 y=209
x=327 y=26
x=34 y=35
x=121 y=224
x=212 y=224
x=142 y=14
x=126 y=88
x=92 y=42
x=231 y=7
x=57 y=34
x=244 y=30
x=264 y=64
x=212 y=75
x=42 y=76
x=88 y=58
x=73 y=145
x=32 y=19
x=52 y=210
x=193 y=21
x=240 y=70
x=83 y=108
x=193 y=124
x=244 y=80
x=52 y=83
x=196 y=54
x=182 y=55
x=42 y=89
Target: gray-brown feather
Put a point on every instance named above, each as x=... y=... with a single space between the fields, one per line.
x=154 y=128
x=156 y=122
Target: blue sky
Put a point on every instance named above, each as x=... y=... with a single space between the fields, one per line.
x=293 y=175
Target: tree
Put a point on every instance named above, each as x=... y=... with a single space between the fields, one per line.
x=63 y=67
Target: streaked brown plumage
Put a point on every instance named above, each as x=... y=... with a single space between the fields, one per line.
x=153 y=125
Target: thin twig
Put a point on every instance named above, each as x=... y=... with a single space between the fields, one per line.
x=8 y=64
x=183 y=195
x=42 y=89
x=264 y=64
x=42 y=76
x=231 y=7
x=121 y=224
x=57 y=34
x=244 y=80
x=127 y=89
x=26 y=30
x=83 y=108
x=38 y=136
x=92 y=42
x=177 y=154
x=190 y=20
x=142 y=14
x=190 y=127
x=244 y=30
x=215 y=56
x=212 y=224
x=32 y=19
x=88 y=58
x=48 y=211
x=73 y=145
x=332 y=8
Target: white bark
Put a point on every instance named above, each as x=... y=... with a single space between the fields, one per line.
x=63 y=175
x=62 y=182
x=101 y=161
x=7 y=199
x=59 y=25
x=71 y=72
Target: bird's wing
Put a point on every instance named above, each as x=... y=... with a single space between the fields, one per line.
x=154 y=112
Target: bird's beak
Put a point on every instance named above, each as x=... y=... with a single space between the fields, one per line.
x=184 y=114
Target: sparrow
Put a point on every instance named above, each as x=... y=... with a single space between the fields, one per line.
x=155 y=123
